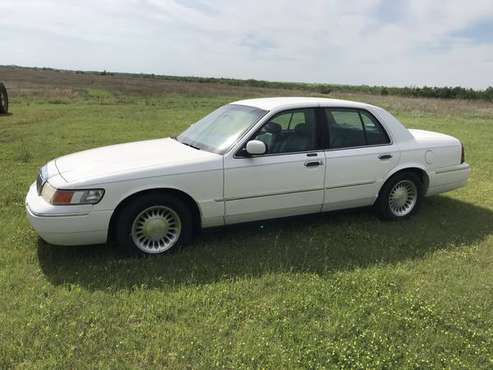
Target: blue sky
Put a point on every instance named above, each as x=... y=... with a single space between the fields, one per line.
x=377 y=42
x=478 y=32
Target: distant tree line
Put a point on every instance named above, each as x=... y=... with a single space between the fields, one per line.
x=414 y=91
x=424 y=92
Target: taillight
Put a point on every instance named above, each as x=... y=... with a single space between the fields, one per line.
x=462 y=154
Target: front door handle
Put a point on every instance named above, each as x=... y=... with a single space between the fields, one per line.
x=384 y=157
x=313 y=163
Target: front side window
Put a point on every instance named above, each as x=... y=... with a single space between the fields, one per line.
x=289 y=120
x=289 y=132
x=354 y=128
x=220 y=129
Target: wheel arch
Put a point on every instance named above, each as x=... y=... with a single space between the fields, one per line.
x=418 y=169
x=194 y=207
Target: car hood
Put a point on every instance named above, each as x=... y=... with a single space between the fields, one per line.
x=132 y=160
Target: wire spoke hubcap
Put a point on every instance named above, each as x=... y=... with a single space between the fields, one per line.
x=156 y=229
x=403 y=198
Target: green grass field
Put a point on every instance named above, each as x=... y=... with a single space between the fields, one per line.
x=339 y=290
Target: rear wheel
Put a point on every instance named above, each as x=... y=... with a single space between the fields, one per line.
x=153 y=224
x=4 y=99
x=400 y=197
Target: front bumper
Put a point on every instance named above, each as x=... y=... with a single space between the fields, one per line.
x=66 y=225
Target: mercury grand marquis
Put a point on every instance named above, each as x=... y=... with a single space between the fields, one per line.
x=249 y=160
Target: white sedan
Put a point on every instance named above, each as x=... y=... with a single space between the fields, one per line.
x=248 y=160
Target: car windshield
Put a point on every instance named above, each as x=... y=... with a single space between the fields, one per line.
x=220 y=129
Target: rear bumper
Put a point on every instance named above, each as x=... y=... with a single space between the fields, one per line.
x=62 y=226
x=447 y=179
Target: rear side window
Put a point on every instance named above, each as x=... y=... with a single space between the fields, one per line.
x=353 y=128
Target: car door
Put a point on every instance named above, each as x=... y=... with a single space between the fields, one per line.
x=360 y=153
x=286 y=180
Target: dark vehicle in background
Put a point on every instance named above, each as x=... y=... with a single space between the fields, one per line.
x=4 y=99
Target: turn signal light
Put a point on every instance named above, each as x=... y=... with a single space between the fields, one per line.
x=62 y=197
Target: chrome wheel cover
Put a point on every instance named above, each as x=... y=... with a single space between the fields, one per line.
x=403 y=198
x=156 y=229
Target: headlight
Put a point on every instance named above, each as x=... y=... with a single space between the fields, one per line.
x=70 y=197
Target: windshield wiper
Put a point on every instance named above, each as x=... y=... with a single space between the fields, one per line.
x=185 y=143
x=190 y=145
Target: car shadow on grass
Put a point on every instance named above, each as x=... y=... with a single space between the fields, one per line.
x=320 y=244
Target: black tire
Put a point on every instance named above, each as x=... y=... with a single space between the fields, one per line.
x=382 y=205
x=130 y=211
x=4 y=99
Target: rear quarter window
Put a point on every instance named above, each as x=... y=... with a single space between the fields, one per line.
x=375 y=133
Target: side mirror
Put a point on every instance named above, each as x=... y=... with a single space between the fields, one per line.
x=256 y=147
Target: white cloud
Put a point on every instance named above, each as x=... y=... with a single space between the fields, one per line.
x=388 y=42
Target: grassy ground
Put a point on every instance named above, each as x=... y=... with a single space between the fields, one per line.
x=335 y=290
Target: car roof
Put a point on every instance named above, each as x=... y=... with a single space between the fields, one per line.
x=281 y=103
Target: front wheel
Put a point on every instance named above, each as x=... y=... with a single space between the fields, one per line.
x=400 y=197
x=153 y=224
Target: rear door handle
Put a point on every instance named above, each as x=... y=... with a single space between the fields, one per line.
x=313 y=163
x=384 y=157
